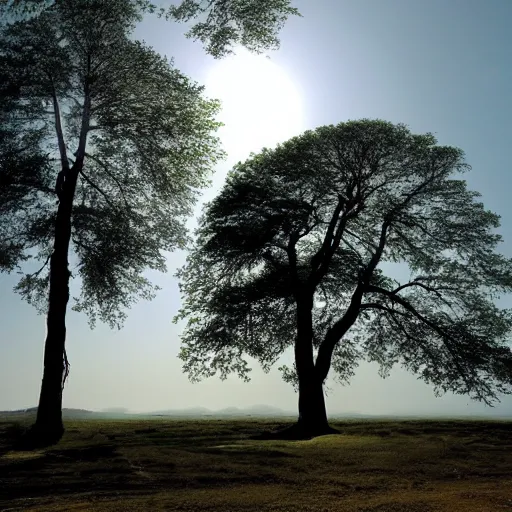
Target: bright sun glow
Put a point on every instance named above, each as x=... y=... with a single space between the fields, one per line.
x=261 y=106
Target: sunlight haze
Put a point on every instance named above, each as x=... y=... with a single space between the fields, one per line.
x=261 y=105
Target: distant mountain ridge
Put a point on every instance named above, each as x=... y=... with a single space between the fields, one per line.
x=190 y=412
x=255 y=410
x=262 y=411
x=66 y=412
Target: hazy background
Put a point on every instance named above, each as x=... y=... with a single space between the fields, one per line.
x=440 y=66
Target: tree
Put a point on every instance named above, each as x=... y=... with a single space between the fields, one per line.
x=223 y=24
x=291 y=254
x=103 y=148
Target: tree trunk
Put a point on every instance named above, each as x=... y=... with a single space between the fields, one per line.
x=312 y=419
x=312 y=413
x=49 y=428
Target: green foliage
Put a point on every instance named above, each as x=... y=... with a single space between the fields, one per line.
x=317 y=217
x=24 y=176
x=144 y=131
x=36 y=7
x=223 y=24
x=220 y=25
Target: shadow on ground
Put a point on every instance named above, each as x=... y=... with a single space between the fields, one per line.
x=215 y=465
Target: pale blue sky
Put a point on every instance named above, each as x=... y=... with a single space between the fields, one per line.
x=442 y=66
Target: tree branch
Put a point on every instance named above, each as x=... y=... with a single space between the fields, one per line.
x=340 y=328
x=71 y=97
x=417 y=282
x=399 y=325
x=86 y=115
x=425 y=231
x=110 y=175
x=376 y=305
x=405 y=304
x=375 y=259
x=444 y=336
x=336 y=332
x=94 y=186
x=292 y=257
x=359 y=239
x=354 y=250
x=411 y=195
x=308 y=229
x=58 y=129
x=35 y=274
x=328 y=238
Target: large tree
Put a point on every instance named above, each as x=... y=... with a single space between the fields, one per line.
x=103 y=148
x=291 y=254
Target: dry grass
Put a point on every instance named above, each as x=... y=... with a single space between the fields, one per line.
x=373 y=466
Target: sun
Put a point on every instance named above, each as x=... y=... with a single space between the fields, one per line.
x=261 y=105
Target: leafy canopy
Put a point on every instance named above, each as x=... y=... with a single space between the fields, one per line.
x=317 y=218
x=220 y=25
x=78 y=94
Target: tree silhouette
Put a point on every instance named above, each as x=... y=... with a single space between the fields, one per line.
x=291 y=253
x=103 y=145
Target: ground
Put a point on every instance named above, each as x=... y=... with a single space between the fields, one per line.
x=372 y=466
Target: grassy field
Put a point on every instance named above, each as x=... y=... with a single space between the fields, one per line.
x=409 y=466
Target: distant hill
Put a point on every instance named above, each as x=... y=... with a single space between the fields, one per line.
x=262 y=411
x=115 y=410
x=66 y=413
x=232 y=412
x=268 y=409
x=255 y=410
x=191 y=412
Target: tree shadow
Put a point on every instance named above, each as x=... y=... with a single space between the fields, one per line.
x=25 y=474
x=11 y=435
x=295 y=432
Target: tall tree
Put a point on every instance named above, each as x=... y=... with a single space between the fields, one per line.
x=291 y=254
x=104 y=146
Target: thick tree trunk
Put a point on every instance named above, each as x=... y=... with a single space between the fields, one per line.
x=312 y=412
x=312 y=419
x=49 y=428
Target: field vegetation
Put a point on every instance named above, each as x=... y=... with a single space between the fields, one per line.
x=217 y=465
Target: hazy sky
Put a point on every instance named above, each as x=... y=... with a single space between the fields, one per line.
x=440 y=66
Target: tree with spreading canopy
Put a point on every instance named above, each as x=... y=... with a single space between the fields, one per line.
x=293 y=252
x=104 y=146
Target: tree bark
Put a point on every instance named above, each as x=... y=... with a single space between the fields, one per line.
x=49 y=427
x=312 y=412
x=312 y=419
